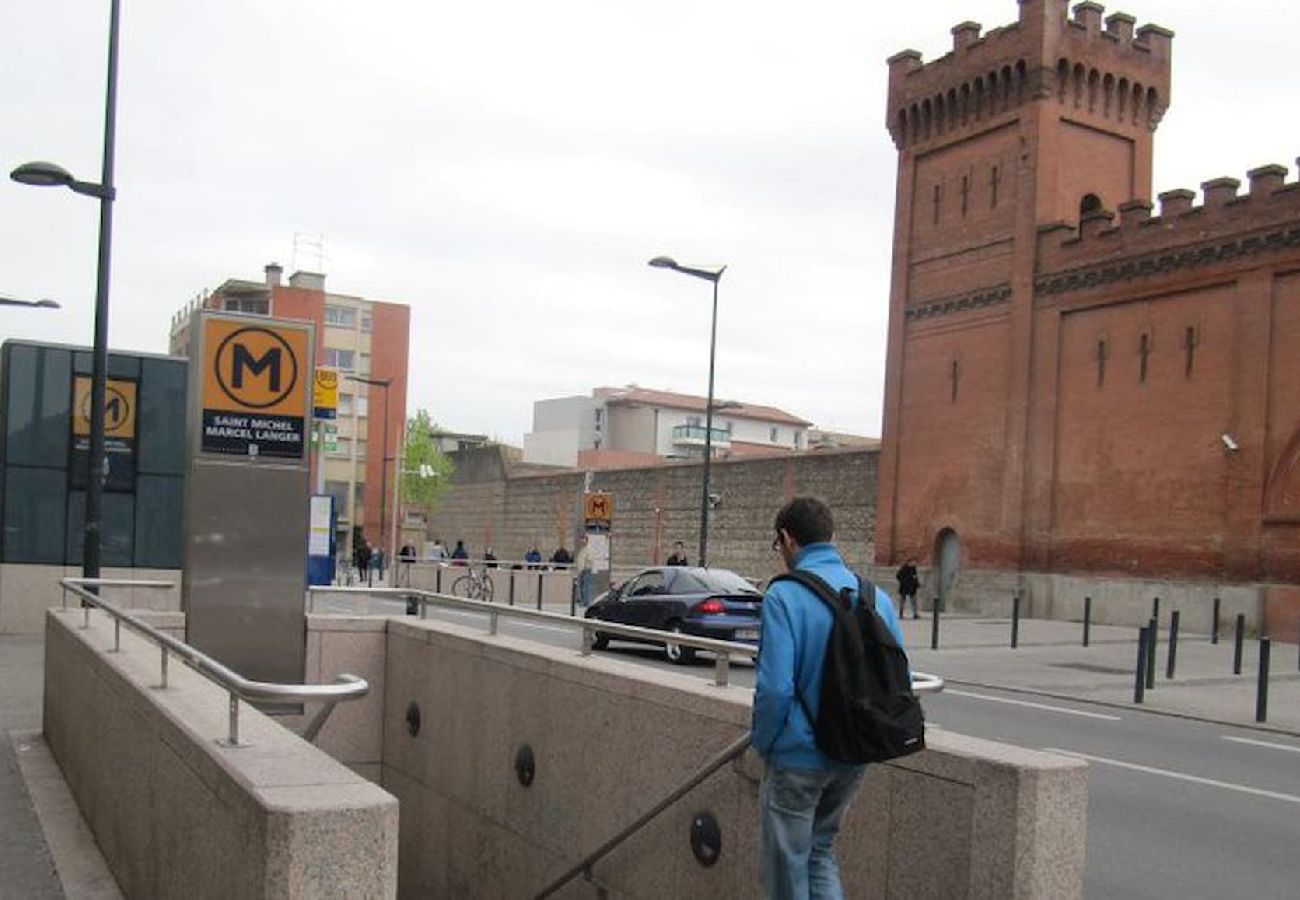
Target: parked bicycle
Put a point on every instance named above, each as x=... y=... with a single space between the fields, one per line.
x=474 y=585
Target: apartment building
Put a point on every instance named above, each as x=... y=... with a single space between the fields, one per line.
x=363 y=339
x=631 y=425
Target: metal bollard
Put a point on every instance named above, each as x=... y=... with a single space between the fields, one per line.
x=1140 y=679
x=1151 y=654
x=1172 y=654
x=1155 y=609
x=539 y=590
x=1261 y=690
x=437 y=579
x=934 y=626
x=1015 y=620
x=1214 y=623
x=1087 y=619
x=1236 y=648
x=512 y=588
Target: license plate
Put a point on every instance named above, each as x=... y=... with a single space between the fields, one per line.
x=746 y=634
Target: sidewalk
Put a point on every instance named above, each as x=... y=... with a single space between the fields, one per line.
x=1051 y=661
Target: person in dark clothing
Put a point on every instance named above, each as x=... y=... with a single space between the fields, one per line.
x=533 y=557
x=489 y=558
x=361 y=556
x=679 y=556
x=459 y=555
x=908 y=584
x=561 y=556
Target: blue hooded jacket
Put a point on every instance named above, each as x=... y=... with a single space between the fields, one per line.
x=796 y=626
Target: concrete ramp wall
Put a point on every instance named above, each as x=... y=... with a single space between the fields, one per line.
x=177 y=814
x=965 y=819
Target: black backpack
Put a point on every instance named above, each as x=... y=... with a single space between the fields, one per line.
x=868 y=712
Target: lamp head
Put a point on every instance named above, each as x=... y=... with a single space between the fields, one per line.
x=47 y=303
x=42 y=174
x=664 y=262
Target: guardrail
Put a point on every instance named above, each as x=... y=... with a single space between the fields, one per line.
x=344 y=687
x=724 y=651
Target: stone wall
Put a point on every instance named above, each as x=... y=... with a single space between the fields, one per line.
x=655 y=506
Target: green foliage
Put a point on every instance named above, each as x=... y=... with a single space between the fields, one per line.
x=427 y=471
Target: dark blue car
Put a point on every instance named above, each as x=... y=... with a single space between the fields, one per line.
x=714 y=603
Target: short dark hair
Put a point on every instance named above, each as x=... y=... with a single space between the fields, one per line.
x=807 y=520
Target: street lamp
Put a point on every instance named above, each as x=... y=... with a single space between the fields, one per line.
x=667 y=262
x=383 y=465
x=6 y=300
x=46 y=174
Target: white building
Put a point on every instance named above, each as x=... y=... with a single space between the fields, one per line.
x=627 y=426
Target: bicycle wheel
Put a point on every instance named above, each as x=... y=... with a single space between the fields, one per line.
x=485 y=589
x=463 y=587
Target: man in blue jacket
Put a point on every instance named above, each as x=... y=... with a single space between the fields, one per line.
x=804 y=793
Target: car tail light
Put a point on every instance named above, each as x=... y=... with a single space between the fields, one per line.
x=711 y=607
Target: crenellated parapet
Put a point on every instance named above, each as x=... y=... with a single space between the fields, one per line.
x=1143 y=241
x=1102 y=69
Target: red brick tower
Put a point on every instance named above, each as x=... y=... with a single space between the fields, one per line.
x=1041 y=121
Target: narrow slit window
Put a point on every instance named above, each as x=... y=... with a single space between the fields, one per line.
x=993 y=188
x=1103 y=353
x=1190 y=341
x=938 y=198
x=965 y=195
x=1144 y=355
x=954 y=375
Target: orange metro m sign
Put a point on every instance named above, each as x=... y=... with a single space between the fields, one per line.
x=256 y=384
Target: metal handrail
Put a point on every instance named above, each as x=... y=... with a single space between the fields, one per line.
x=723 y=650
x=924 y=684
x=344 y=687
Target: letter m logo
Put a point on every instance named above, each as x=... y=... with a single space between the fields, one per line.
x=242 y=359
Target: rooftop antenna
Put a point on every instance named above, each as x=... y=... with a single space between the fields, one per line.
x=308 y=250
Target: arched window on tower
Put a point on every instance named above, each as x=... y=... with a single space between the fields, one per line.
x=1090 y=203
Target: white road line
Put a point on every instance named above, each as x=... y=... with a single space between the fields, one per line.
x=1195 y=779
x=1031 y=705
x=1240 y=740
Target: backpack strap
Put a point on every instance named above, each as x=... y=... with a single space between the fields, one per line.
x=838 y=604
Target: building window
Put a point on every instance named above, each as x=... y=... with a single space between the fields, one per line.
x=339 y=359
x=365 y=364
x=361 y=449
x=694 y=421
x=256 y=306
x=343 y=447
x=774 y=435
x=341 y=316
x=362 y=405
x=798 y=440
x=339 y=491
x=345 y=404
x=367 y=322
x=1090 y=203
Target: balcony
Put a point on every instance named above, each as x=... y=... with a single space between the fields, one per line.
x=693 y=436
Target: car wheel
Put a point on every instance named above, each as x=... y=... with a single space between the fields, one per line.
x=676 y=653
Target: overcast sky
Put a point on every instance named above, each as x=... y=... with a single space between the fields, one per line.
x=507 y=167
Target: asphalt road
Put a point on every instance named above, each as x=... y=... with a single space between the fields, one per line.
x=1177 y=808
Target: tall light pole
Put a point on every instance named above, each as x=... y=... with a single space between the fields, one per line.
x=383 y=464
x=666 y=262
x=45 y=174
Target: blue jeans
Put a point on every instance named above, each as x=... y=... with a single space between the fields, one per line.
x=584 y=588
x=801 y=813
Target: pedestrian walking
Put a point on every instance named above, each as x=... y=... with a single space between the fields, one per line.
x=804 y=793
x=679 y=556
x=584 y=564
x=908 y=584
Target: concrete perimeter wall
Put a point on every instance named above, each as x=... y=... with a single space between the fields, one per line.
x=657 y=505
x=175 y=813
x=967 y=818
x=26 y=591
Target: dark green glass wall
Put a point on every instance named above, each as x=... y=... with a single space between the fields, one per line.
x=41 y=512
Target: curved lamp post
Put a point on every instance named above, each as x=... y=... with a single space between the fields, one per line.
x=6 y=300
x=47 y=174
x=667 y=262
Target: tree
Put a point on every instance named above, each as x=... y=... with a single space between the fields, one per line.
x=427 y=471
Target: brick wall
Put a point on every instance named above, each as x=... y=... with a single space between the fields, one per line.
x=655 y=506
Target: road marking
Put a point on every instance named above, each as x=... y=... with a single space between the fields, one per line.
x=1253 y=743
x=1195 y=779
x=1031 y=705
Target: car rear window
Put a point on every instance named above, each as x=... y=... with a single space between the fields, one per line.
x=716 y=580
